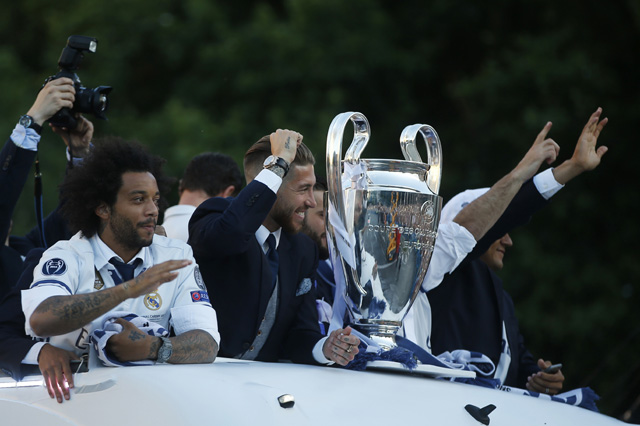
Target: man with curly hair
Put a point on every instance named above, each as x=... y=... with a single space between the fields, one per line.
x=116 y=263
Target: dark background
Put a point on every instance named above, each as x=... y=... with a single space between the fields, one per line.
x=198 y=75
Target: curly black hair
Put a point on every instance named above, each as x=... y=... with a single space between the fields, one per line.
x=99 y=178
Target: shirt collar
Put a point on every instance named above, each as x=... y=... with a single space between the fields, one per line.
x=263 y=233
x=102 y=253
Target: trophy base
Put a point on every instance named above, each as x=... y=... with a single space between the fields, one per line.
x=383 y=333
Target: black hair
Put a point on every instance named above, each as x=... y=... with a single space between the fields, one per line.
x=211 y=172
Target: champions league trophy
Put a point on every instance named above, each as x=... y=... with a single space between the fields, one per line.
x=383 y=217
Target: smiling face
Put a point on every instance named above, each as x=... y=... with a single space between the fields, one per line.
x=494 y=256
x=295 y=197
x=129 y=224
x=314 y=225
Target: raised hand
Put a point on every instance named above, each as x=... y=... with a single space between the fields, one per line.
x=79 y=139
x=543 y=150
x=153 y=277
x=54 y=96
x=586 y=155
x=284 y=144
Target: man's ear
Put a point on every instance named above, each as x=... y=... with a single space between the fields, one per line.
x=228 y=191
x=103 y=211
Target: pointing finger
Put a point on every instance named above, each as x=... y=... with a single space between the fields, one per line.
x=543 y=133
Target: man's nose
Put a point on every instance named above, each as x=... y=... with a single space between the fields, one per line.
x=153 y=210
x=506 y=240
x=311 y=200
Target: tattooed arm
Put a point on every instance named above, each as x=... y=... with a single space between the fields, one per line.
x=191 y=347
x=62 y=314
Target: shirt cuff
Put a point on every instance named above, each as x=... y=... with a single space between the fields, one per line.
x=453 y=243
x=32 y=356
x=196 y=317
x=25 y=138
x=546 y=183
x=272 y=180
x=76 y=160
x=318 y=355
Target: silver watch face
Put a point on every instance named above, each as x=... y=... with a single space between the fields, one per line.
x=165 y=351
x=270 y=160
x=25 y=121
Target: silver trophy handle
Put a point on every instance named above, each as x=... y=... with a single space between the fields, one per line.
x=334 y=162
x=434 y=151
x=334 y=154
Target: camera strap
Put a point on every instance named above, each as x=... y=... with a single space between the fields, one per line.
x=70 y=161
x=37 y=189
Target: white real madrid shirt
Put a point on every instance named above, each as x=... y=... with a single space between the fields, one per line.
x=69 y=267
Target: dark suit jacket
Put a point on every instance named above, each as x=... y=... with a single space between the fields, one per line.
x=470 y=304
x=238 y=277
x=15 y=164
x=14 y=343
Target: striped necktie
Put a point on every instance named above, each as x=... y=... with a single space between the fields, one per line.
x=125 y=270
x=272 y=256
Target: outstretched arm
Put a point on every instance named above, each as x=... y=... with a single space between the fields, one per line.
x=62 y=314
x=479 y=216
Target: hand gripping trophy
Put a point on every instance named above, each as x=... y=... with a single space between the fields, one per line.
x=382 y=218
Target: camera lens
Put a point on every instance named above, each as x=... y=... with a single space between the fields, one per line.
x=102 y=103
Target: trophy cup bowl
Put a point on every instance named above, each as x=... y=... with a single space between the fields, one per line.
x=382 y=221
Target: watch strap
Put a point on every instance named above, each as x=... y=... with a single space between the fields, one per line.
x=28 y=122
x=165 y=351
x=273 y=161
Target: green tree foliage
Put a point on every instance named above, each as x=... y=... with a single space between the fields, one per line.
x=196 y=75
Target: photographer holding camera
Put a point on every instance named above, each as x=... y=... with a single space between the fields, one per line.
x=60 y=101
x=16 y=159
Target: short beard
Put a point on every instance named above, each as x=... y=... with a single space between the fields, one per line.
x=323 y=252
x=282 y=216
x=126 y=232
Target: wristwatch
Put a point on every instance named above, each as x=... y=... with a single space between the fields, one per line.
x=165 y=351
x=273 y=161
x=28 y=122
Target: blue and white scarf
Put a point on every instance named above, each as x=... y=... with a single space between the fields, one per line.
x=99 y=337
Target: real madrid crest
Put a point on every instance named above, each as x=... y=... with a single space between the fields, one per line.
x=153 y=301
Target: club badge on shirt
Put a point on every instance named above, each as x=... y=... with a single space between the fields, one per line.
x=153 y=301
x=54 y=266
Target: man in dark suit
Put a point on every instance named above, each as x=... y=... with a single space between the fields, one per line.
x=470 y=308
x=258 y=269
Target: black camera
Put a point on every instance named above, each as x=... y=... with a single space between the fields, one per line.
x=91 y=101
